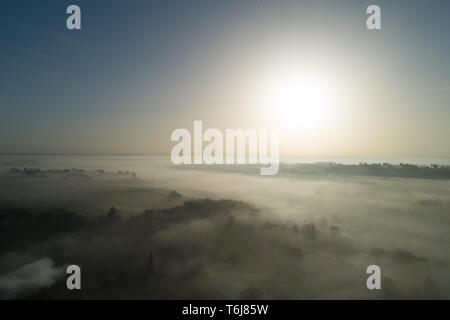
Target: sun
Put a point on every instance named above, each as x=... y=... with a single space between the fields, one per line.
x=300 y=103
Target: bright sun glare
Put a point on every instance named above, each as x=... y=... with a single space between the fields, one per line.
x=300 y=103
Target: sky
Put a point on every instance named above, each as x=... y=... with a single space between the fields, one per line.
x=139 y=69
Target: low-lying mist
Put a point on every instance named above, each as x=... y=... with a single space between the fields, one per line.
x=158 y=232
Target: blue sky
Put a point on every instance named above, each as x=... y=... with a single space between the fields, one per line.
x=139 y=69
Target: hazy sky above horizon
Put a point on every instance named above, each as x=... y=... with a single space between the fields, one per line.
x=140 y=69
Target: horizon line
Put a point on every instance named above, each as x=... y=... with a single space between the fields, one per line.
x=162 y=155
